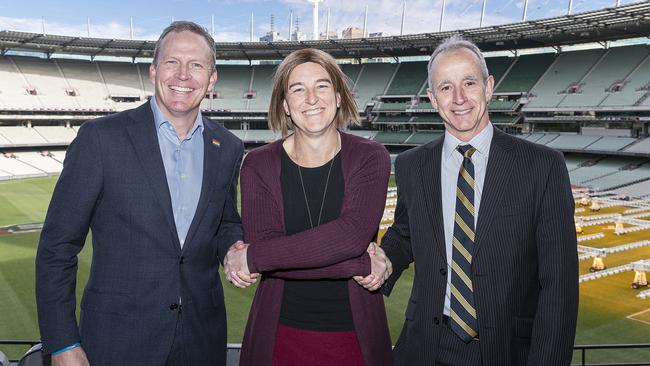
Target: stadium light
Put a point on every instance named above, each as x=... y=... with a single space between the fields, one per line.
x=314 y=16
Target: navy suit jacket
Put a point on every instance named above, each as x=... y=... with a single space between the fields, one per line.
x=524 y=266
x=113 y=183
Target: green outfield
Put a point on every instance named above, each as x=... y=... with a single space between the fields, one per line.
x=610 y=312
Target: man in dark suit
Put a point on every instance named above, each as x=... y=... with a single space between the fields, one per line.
x=156 y=185
x=487 y=219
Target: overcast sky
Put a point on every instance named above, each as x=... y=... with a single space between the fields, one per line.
x=111 y=19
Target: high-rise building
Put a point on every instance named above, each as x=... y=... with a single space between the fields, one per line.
x=353 y=32
x=329 y=35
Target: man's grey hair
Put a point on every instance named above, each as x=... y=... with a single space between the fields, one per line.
x=181 y=26
x=454 y=43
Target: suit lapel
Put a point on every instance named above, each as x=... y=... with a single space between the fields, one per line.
x=430 y=181
x=145 y=142
x=212 y=160
x=497 y=175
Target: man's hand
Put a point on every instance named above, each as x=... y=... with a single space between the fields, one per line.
x=235 y=266
x=380 y=269
x=73 y=357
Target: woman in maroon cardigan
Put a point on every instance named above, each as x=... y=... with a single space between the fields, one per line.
x=311 y=203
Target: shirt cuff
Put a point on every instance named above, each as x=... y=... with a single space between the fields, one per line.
x=66 y=349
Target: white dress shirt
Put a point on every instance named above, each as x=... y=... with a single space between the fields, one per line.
x=451 y=162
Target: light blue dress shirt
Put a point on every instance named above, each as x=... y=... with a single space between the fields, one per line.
x=451 y=162
x=183 y=160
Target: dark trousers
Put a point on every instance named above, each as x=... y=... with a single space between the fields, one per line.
x=177 y=353
x=452 y=351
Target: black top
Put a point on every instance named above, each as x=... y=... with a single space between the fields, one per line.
x=321 y=305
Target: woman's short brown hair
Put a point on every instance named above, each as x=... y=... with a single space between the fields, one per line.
x=346 y=114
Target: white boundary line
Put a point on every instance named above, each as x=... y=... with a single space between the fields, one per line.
x=631 y=316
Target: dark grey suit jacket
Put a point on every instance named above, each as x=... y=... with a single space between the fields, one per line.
x=113 y=183
x=524 y=270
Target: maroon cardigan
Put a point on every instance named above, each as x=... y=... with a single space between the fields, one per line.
x=334 y=250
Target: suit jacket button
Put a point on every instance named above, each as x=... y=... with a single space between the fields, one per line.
x=436 y=320
x=182 y=260
x=173 y=306
x=443 y=271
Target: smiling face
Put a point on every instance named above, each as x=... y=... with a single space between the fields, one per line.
x=460 y=94
x=183 y=74
x=311 y=100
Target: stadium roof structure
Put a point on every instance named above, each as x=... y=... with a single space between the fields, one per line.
x=608 y=24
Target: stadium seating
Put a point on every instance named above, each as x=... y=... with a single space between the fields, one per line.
x=572 y=141
x=523 y=74
x=429 y=118
x=497 y=66
x=422 y=137
x=643 y=146
x=44 y=76
x=568 y=69
x=352 y=72
x=56 y=134
x=391 y=119
x=14 y=91
x=232 y=82
x=607 y=166
x=372 y=82
x=610 y=143
x=409 y=79
x=615 y=66
x=262 y=87
x=363 y=133
x=19 y=135
x=390 y=137
x=39 y=161
x=640 y=189
x=392 y=107
x=83 y=77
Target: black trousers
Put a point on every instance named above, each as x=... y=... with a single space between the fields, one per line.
x=452 y=351
x=177 y=353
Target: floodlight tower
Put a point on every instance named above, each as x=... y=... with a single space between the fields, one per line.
x=314 y=15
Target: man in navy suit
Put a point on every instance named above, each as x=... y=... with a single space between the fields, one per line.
x=156 y=185
x=488 y=220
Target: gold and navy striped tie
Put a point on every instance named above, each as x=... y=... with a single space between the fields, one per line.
x=463 y=312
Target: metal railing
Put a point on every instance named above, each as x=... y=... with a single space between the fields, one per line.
x=584 y=348
x=234 y=348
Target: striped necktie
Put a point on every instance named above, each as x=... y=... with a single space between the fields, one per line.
x=463 y=312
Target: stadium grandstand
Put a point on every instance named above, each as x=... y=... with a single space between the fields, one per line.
x=577 y=83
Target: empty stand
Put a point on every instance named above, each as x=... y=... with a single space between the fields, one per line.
x=56 y=134
x=14 y=89
x=260 y=136
x=41 y=162
x=409 y=79
x=572 y=141
x=635 y=86
x=386 y=119
x=84 y=78
x=617 y=64
x=45 y=77
x=423 y=137
x=19 y=135
x=262 y=87
x=363 y=133
x=524 y=72
x=17 y=168
x=643 y=146
x=568 y=69
x=372 y=82
x=610 y=143
x=389 y=137
x=392 y=107
x=497 y=66
x=429 y=118
x=232 y=82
